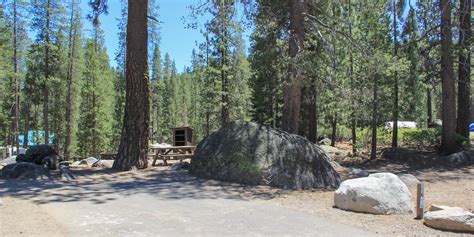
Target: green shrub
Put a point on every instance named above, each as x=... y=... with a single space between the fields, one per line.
x=420 y=137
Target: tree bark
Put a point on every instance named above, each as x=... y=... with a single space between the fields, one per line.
x=351 y=75
x=312 y=118
x=429 y=108
x=464 y=73
x=292 y=91
x=27 y=123
x=69 y=100
x=395 y=80
x=448 y=113
x=334 y=130
x=132 y=153
x=373 y=150
x=17 y=83
x=46 y=76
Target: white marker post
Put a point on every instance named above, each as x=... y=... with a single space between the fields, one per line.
x=420 y=200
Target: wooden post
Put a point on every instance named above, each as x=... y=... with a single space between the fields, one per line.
x=420 y=200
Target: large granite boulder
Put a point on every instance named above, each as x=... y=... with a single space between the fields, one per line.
x=450 y=218
x=41 y=155
x=409 y=180
x=381 y=193
x=25 y=171
x=249 y=153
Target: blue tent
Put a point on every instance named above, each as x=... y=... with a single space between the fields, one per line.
x=36 y=137
x=471 y=127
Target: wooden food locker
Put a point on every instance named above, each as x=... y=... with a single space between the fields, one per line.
x=182 y=136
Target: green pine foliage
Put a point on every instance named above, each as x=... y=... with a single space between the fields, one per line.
x=348 y=71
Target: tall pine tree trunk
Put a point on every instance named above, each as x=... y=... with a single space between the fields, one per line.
x=429 y=107
x=17 y=83
x=225 y=116
x=69 y=95
x=27 y=122
x=133 y=147
x=46 y=75
x=373 y=147
x=448 y=114
x=351 y=75
x=292 y=90
x=464 y=73
x=395 y=80
x=312 y=118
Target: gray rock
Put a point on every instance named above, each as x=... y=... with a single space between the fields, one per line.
x=380 y=193
x=358 y=173
x=76 y=163
x=434 y=207
x=88 y=161
x=24 y=171
x=334 y=150
x=409 y=180
x=104 y=164
x=52 y=161
x=450 y=218
x=462 y=157
x=179 y=166
x=65 y=174
x=325 y=141
x=249 y=153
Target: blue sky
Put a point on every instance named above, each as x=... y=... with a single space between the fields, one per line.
x=176 y=39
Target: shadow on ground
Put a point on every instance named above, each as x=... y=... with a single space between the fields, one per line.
x=102 y=186
x=428 y=166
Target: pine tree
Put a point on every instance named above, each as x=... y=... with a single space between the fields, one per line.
x=133 y=147
x=157 y=93
x=464 y=73
x=74 y=42
x=448 y=134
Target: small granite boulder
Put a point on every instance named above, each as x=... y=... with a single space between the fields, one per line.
x=104 y=164
x=380 y=193
x=65 y=174
x=179 y=166
x=24 y=171
x=89 y=162
x=462 y=157
x=358 y=173
x=450 y=218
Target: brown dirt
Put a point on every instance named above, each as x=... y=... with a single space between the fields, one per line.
x=23 y=218
x=444 y=185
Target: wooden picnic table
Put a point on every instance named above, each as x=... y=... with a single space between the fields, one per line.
x=171 y=152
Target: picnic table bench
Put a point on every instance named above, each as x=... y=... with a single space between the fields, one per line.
x=172 y=152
